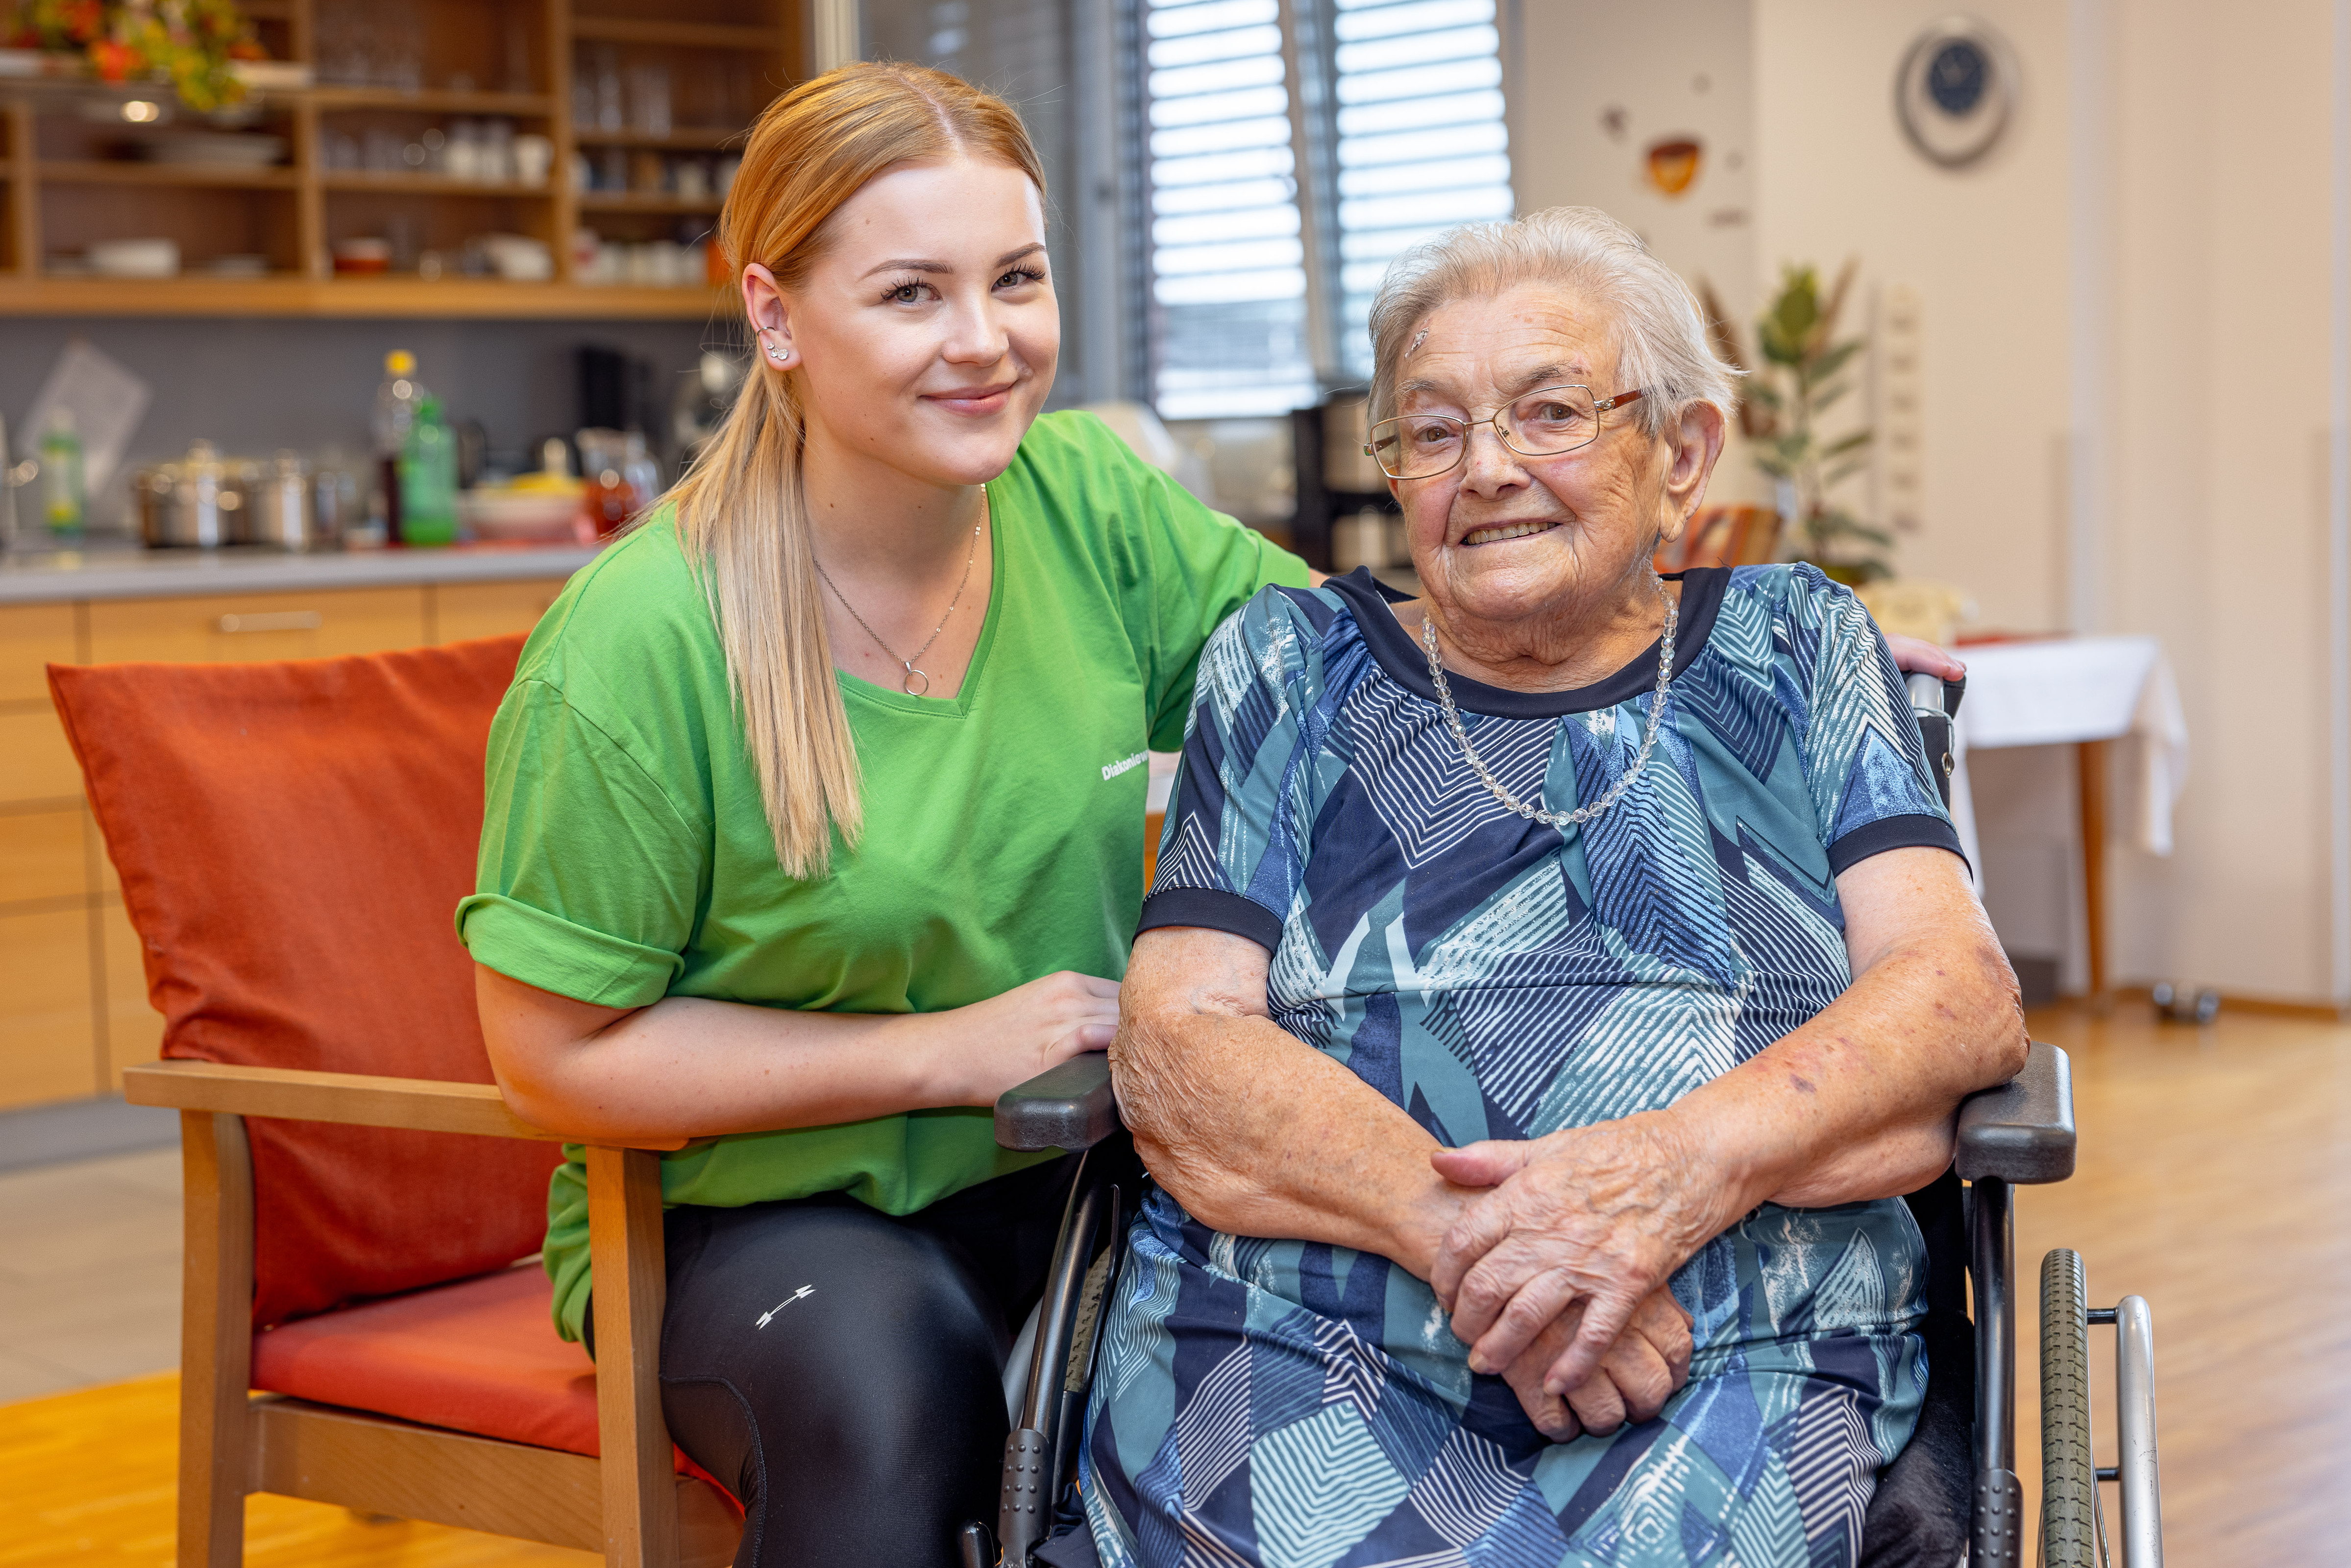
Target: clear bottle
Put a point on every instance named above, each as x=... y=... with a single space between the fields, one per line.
x=396 y=402
x=428 y=479
x=65 y=500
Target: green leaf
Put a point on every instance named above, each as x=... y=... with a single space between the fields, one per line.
x=1846 y=443
x=1830 y=363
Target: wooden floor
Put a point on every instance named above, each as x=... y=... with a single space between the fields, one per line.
x=2215 y=1180
x=87 y=1478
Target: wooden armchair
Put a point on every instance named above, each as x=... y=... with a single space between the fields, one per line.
x=1723 y=536
x=362 y=1324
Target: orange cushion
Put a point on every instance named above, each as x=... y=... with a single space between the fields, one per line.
x=292 y=838
x=481 y=1356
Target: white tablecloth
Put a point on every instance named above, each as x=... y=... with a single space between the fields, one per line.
x=2066 y=690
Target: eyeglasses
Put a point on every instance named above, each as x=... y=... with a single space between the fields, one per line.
x=1542 y=423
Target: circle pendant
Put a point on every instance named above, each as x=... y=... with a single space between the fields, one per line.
x=913 y=675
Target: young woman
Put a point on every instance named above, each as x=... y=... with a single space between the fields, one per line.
x=814 y=822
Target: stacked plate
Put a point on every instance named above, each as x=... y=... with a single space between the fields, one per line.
x=214 y=149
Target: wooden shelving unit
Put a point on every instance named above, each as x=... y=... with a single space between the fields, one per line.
x=447 y=101
x=629 y=202
x=753 y=39
x=88 y=172
x=689 y=139
x=64 y=184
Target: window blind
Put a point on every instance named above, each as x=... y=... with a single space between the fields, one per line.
x=1228 y=265
x=1421 y=143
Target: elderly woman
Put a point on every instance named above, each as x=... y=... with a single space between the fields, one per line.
x=1548 y=985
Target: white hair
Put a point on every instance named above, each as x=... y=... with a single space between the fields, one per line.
x=1661 y=337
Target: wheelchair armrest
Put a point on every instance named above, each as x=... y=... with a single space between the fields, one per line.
x=1068 y=1106
x=2023 y=1130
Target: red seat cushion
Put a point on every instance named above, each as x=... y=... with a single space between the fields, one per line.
x=293 y=838
x=480 y=1356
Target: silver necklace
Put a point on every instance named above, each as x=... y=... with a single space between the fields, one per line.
x=1582 y=813
x=912 y=674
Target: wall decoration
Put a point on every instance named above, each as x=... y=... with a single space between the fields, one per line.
x=1956 y=92
x=1672 y=164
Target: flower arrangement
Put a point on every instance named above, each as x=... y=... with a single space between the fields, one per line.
x=188 y=43
x=1803 y=372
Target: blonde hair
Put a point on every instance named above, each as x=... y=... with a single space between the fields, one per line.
x=1661 y=339
x=742 y=515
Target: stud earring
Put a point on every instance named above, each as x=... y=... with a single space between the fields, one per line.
x=779 y=356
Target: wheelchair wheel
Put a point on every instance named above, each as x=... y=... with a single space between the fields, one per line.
x=2069 y=1477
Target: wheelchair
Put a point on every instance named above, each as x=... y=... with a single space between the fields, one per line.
x=1951 y=1496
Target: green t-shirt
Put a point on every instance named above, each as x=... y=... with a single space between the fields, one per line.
x=626 y=857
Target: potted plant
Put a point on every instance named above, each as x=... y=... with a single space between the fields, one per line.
x=193 y=45
x=1805 y=369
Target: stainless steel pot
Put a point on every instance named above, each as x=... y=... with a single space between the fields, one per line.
x=278 y=510
x=198 y=502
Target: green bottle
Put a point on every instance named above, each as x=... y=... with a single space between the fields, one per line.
x=428 y=479
x=65 y=500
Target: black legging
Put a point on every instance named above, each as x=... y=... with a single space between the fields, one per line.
x=842 y=1370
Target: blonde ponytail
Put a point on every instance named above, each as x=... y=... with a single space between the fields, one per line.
x=742 y=517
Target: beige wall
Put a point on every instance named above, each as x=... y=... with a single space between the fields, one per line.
x=2217 y=393
x=1683 y=71
x=1985 y=247
x=2126 y=377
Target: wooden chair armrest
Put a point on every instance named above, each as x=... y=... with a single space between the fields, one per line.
x=296 y=1094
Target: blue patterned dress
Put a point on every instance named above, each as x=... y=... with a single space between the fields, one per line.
x=1296 y=1404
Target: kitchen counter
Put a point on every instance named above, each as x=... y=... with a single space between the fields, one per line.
x=114 y=570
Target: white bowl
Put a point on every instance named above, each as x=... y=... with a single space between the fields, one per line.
x=520 y=514
x=135 y=258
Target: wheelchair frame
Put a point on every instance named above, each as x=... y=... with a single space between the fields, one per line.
x=2019 y=1134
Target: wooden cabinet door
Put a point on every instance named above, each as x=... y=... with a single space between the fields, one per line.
x=134 y=1030
x=33 y=635
x=47 y=1051
x=41 y=857
x=234 y=628
x=35 y=764
x=461 y=610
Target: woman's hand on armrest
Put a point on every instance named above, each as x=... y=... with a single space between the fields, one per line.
x=1914 y=657
x=688 y=1068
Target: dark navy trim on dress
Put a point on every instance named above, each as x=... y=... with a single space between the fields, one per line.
x=1401 y=656
x=1918 y=831
x=1218 y=910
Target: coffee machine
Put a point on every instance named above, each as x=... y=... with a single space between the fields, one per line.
x=1345 y=516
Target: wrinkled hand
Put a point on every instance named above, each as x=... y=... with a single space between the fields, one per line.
x=1597 y=1216
x=1647 y=1365
x=1913 y=656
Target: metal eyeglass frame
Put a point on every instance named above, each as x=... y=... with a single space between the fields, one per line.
x=1501 y=431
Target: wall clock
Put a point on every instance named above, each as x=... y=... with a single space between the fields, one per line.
x=1956 y=90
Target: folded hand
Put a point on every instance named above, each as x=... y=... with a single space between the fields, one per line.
x=1595 y=1217
x=1648 y=1363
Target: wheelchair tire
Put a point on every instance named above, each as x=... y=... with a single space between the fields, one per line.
x=2069 y=1477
